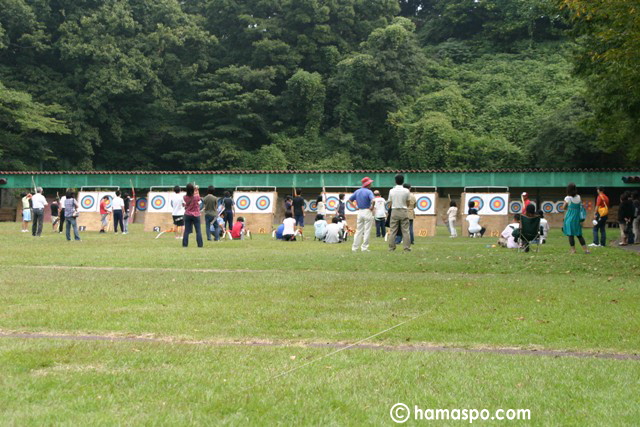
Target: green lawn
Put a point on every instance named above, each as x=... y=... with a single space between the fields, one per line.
x=460 y=293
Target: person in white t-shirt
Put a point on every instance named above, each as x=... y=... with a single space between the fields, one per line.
x=474 y=225
x=321 y=204
x=177 y=206
x=289 y=232
x=506 y=239
x=452 y=214
x=544 y=226
x=380 y=213
x=117 y=208
x=333 y=231
x=38 y=202
x=61 y=214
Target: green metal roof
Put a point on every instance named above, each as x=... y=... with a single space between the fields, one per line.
x=315 y=179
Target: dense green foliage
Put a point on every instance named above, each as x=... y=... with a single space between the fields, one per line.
x=277 y=84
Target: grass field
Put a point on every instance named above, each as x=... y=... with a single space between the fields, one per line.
x=249 y=333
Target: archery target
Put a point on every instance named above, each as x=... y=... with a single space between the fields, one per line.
x=243 y=203
x=548 y=207
x=332 y=203
x=489 y=203
x=158 y=202
x=478 y=203
x=141 y=204
x=559 y=206
x=313 y=205
x=515 y=207
x=109 y=200
x=350 y=208
x=425 y=203
x=497 y=204
x=87 y=202
x=263 y=203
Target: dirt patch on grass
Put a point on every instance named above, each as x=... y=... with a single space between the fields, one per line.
x=419 y=347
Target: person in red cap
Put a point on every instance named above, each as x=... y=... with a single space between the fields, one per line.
x=525 y=201
x=363 y=198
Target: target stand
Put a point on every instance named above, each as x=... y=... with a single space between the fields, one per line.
x=158 y=210
x=89 y=218
x=493 y=207
x=425 y=218
x=257 y=206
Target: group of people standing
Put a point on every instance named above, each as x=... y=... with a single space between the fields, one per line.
x=397 y=214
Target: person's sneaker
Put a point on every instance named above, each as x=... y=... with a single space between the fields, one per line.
x=124 y=232
x=102 y=231
x=593 y=245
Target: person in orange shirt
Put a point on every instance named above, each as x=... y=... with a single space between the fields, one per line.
x=600 y=216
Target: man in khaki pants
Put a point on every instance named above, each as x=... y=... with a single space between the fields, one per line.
x=363 y=198
x=399 y=197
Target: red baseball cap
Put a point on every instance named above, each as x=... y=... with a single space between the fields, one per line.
x=366 y=181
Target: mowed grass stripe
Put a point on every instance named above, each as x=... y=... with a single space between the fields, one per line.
x=553 y=312
x=98 y=383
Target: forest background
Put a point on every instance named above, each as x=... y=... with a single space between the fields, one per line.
x=318 y=84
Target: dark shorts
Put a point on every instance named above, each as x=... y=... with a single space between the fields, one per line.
x=178 y=220
x=299 y=220
x=289 y=237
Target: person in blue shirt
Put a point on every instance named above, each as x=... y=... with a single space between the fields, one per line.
x=363 y=198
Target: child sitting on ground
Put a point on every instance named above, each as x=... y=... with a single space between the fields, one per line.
x=506 y=239
x=320 y=227
x=334 y=231
x=289 y=232
x=238 y=231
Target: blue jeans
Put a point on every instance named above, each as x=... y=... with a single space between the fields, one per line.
x=602 y=226
x=71 y=222
x=212 y=226
x=380 y=227
x=399 y=236
x=228 y=219
x=189 y=223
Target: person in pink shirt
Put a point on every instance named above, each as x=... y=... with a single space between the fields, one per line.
x=192 y=215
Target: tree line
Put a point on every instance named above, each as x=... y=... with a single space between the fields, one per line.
x=317 y=84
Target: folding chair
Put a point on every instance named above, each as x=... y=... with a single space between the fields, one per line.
x=528 y=233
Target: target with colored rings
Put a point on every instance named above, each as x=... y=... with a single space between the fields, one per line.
x=478 y=203
x=350 y=208
x=87 y=202
x=243 y=203
x=313 y=205
x=263 y=203
x=547 y=207
x=515 y=207
x=141 y=204
x=559 y=207
x=158 y=202
x=497 y=204
x=423 y=204
x=332 y=203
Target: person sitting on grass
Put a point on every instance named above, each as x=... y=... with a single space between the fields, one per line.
x=506 y=239
x=238 y=231
x=320 y=227
x=334 y=231
x=289 y=232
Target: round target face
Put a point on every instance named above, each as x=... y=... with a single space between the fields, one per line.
x=547 y=207
x=350 y=208
x=87 y=202
x=263 y=203
x=141 y=204
x=313 y=206
x=515 y=207
x=497 y=204
x=243 y=203
x=158 y=202
x=332 y=203
x=477 y=201
x=423 y=204
x=559 y=207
